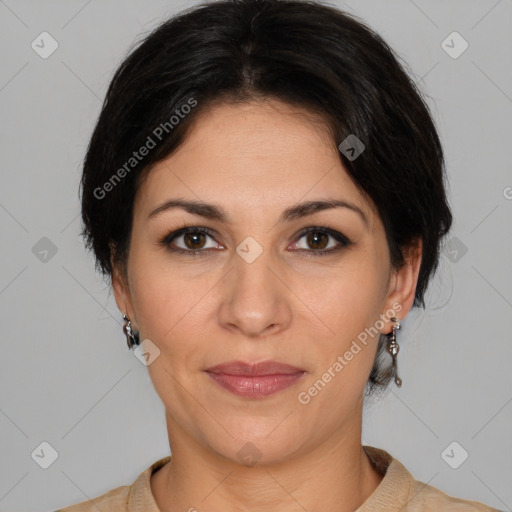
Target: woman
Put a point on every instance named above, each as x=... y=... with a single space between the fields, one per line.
x=265 y=190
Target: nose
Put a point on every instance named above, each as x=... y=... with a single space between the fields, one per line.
x=255 y=297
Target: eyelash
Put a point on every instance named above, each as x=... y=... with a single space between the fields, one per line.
x=168 y=239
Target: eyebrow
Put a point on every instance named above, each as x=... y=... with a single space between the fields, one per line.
x=213 y=212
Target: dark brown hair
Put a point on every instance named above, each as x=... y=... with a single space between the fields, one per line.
x=305 y=53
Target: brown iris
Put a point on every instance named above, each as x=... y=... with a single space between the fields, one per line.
x=313 y=240
x=197 y=238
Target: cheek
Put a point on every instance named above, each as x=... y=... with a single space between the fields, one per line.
x=164 y=304
x=161 y=296
x=352 y=299
x=171 y=314
x=350 y=305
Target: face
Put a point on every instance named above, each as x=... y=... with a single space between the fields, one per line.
x=256 y=286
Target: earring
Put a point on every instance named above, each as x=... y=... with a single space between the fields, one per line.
x=132 y=338
x=393 y=349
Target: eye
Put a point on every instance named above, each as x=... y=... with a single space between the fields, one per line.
x=318 y=238
x=192 y=240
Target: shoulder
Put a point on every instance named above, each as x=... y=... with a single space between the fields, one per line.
x=115 y=500
x=137 y=496
x=399 y=490
x=426 y=498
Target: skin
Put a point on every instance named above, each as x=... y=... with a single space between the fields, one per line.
x=255 y=160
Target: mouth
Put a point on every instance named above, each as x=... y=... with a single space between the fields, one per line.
x=255 y=380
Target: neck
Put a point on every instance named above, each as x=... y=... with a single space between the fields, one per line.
x=336 y=475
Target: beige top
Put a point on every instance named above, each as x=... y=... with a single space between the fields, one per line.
x=398 y=490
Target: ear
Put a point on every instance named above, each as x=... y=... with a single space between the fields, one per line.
x=122 y=292
x=402 y=284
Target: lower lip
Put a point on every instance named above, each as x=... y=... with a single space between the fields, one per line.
x=256 y=386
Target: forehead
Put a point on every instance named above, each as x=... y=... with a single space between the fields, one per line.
x=261 y=154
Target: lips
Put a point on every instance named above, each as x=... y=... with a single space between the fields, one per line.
x=254 y=380
x=251 y=369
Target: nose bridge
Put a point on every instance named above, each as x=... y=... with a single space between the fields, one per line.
x=252 y=263
x=256 y=298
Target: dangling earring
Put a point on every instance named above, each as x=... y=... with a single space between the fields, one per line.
x=393 y=349
x=132 y=338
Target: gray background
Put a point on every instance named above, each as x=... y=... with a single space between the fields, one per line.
x=67 y=377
